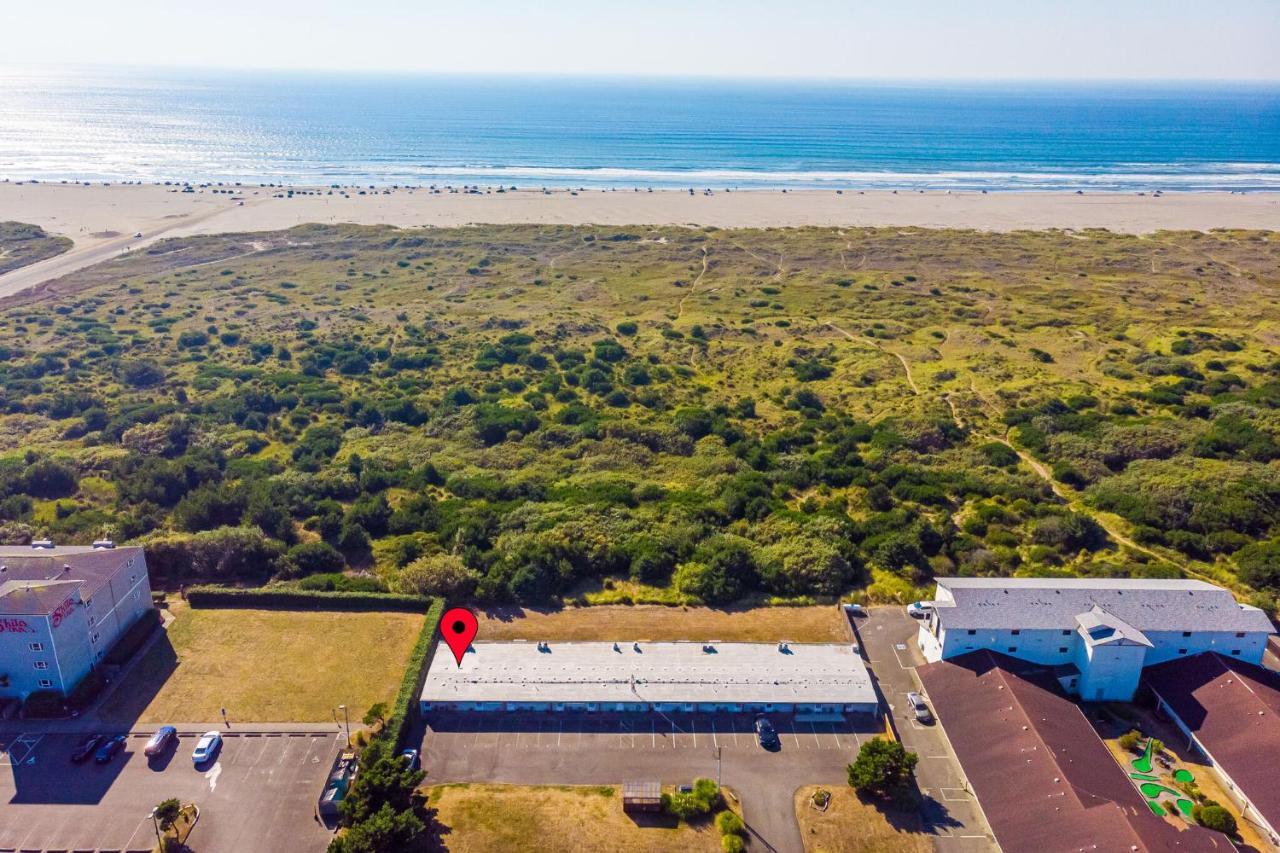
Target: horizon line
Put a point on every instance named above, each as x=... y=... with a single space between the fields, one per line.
x=645 y=76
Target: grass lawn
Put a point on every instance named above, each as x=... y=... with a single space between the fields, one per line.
x=484 y=818
x=824 y=624
x=851 y=826
x=266 y=666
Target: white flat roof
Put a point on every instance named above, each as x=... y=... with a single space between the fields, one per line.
x=659 y=672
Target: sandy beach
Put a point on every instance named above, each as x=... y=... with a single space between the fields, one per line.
x=103 y=220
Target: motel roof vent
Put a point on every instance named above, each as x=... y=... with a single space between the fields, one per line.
x=782 y=646
x=66 y=567
x=44 y=544
x=103 y=544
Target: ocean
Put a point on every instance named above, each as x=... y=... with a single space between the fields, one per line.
x=328 y=128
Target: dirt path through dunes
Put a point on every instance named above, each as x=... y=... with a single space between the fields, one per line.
x=906 y=366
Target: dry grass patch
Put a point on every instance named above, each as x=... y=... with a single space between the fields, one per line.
x=266 y=666
x=553 y=819
x=654 y=623
x=851 y=826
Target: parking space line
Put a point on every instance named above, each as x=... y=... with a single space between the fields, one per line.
x=816 y=742
x=795 y=734
x=693 y=727
x=714 y=741
x=653 y=732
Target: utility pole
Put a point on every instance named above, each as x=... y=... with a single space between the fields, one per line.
x=719 y=750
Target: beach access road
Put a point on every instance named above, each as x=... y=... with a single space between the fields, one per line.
x=259 y=794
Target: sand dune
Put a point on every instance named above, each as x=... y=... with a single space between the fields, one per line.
x=102 y=220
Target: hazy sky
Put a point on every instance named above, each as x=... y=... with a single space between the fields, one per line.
x=1235 y=39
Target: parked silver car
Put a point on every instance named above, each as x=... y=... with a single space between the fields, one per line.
x=916 y=701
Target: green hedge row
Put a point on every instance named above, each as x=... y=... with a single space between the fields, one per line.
x=405 y=711
x=304 y=599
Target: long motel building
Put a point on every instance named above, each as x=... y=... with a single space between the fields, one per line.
x=632 y=677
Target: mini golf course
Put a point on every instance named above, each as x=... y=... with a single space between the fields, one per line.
x=1153 y=790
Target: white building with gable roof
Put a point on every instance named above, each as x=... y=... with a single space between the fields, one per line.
x=1098 y=633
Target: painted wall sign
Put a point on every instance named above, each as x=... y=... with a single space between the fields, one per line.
x=15 y=626
x=63 y=611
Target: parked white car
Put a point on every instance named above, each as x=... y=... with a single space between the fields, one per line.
x=919 y=707
x=919 y=609
x=206 y=747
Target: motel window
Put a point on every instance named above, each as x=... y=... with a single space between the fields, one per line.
x=93 y=638
x=1186 y=633
x=1235 y=652
x=1012 y=649
x=40 y=664
x=91 y=621
x=1016 y=631
x=972 y=632
x=1182 y=651
x=1062 y=650
x=36 y=647
x=1066 y=633
x=1239 y=634
x=44 y=682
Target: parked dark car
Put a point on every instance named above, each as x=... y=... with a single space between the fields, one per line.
x=766 y=734
x=87 y=748
x=165 y=737
x=108 y=750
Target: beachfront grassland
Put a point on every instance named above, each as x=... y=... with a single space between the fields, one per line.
x=676 y=415
x=656 y=623
x=265 y=666
x=550 y=819
x=22 y=244
x=848 y=825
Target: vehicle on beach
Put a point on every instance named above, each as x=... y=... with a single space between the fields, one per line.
x=206 y=748
x=164 y=737
x=86 y=749
x=108 y=750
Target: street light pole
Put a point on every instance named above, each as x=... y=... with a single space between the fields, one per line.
x=156 y=825
x=347 y=721
x=719 y=749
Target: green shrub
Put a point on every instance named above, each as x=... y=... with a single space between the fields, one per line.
x=729 y=823
x=404 y=711
x=44 y=704
x=1129 y=740
x=1217 y=818
x=299 y=599
x=731 y=843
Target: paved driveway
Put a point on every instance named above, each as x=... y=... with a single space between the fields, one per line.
x=260 y=794
x=951 y=812
x=533 y=749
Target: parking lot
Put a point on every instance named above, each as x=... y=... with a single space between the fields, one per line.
x=259 y=793
x=951 y=812
x=582 y=749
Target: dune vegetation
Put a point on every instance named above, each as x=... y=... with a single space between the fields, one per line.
x=604 y=414
x=22 y=244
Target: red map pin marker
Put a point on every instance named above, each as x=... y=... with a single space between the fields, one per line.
x=458 y=627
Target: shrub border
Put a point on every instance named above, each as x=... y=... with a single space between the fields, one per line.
x=304 y=599
x=405 y=711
